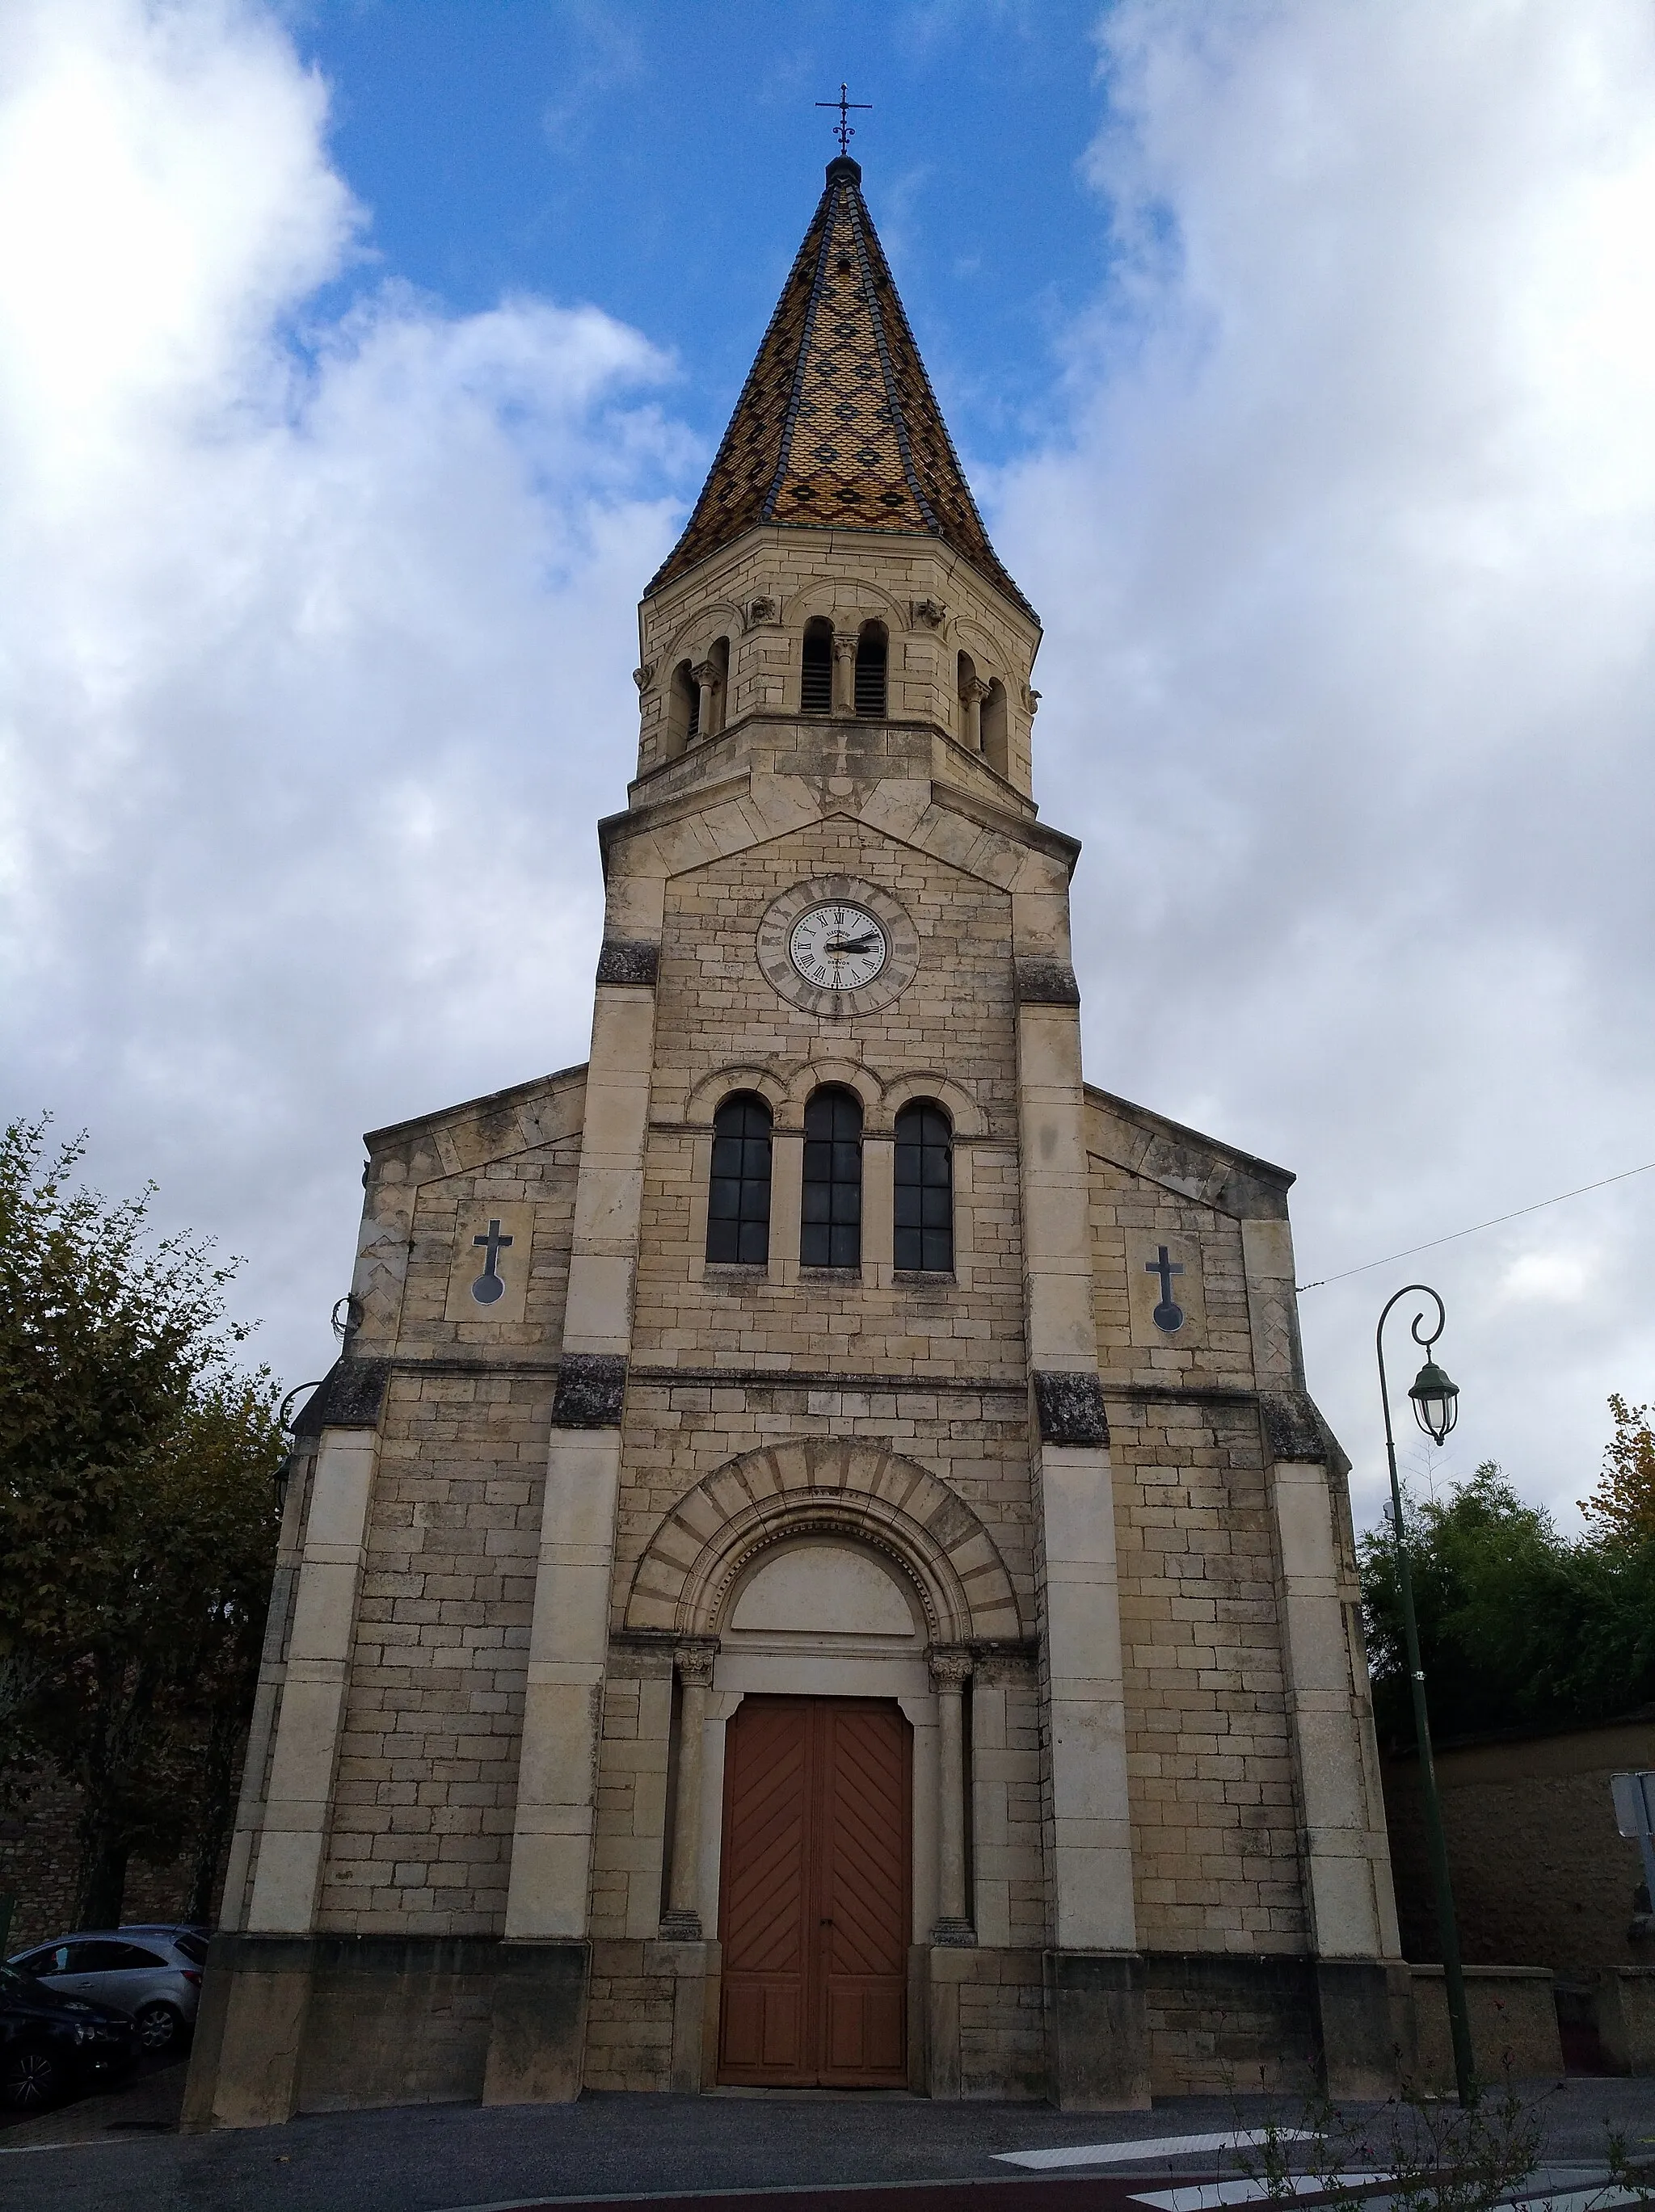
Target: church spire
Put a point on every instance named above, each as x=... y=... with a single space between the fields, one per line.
x=837 y=425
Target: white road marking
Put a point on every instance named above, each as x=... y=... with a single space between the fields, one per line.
x=1207 y=2196
x=1113 y=2154
x=1578 y=2200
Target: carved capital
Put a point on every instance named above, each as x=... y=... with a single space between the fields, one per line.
x=623 y=960
x=705 y=673
x=932 y=613
x=950 y=1666
x=590 y=1390
x=695 y=1662
x=844 y=645
x=1069 y=1407
x=644 y=677
x=1045 y=984
x=973 y=687
x=762 y=610
x=1292 y=1430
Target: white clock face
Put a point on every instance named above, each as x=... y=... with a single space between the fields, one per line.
x=837 y=947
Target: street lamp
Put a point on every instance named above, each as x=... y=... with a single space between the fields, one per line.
x=1436 y=1408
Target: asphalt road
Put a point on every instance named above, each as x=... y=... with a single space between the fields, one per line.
x=442 y=2158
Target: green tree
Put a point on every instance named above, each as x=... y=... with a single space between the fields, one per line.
x=137 y=1519
x=1519 y=1625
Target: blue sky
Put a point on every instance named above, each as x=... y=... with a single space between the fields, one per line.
x=357 y=363
x=662 y=162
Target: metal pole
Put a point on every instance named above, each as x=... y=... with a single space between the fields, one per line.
x=1459 y=2023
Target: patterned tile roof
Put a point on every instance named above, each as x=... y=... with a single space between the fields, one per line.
x=837 y=425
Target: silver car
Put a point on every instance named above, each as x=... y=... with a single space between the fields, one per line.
x=152 y=1973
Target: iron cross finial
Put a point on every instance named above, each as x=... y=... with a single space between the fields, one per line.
x=844 y=127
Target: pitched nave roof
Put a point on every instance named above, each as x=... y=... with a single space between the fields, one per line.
x=837 y=425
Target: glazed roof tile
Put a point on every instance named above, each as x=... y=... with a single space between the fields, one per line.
x=837 y=425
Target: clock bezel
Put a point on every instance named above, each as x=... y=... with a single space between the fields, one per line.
x=773 y=947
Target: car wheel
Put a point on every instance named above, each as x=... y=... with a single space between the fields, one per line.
x=159 y=2027
x=29 y=2078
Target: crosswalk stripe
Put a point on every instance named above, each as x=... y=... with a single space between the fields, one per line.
x=1116 y=2154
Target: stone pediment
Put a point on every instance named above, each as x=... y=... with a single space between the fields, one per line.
x=1182 y=1160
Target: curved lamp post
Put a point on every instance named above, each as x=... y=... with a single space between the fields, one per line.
x=1436 y=1408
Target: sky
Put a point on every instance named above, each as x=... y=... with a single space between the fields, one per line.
x=359 y=360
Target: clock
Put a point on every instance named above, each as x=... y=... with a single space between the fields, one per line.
x=838 y=946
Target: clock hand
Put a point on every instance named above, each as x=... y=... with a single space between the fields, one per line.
x=851 y=945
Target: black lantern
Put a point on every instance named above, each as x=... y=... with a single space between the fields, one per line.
x=1436 y=1401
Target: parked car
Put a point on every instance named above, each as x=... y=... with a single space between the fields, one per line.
x=51 y=2043
x=152 y=1974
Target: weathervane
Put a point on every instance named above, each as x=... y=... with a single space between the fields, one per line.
x=844 y=126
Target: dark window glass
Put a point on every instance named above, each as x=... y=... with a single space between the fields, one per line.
x=925 y=1190
x=134 y=1954
x=831 y=1231
x=870 y=671
x=739 y=1199
x=816 y=678
x=54 y=1959
x=98 y=1958
x=191 y=1947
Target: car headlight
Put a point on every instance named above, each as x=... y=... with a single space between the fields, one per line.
x=82 y=2032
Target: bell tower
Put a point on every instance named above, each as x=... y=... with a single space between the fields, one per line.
x=816 y=1566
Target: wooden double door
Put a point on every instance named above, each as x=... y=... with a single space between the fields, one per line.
x=814 y=1909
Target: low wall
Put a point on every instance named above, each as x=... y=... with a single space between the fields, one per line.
x=1513 y=2016
x=1539 y=1871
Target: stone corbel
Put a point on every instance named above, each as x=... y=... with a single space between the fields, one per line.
x=644 y=677
x=932 y=613
x=761 y=611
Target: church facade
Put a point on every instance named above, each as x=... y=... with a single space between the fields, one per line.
x=816 y=1566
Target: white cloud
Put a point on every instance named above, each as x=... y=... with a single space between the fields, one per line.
x=315 y=653
x=1349 y=574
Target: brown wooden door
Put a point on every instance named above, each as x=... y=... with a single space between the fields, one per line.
x=815 y=1913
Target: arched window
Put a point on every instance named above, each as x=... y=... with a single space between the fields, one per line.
x=831 y=1231
x=682 y=710
x=873 y=650
x=816 y=672
x=925 y=1190
x=996 y=749
x=739 y=1199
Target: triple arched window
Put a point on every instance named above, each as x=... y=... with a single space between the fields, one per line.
x=830 y=1197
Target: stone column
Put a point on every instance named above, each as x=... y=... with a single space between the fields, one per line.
x=704 y=674
x=951 y=1670
x=681 y=1921
x=1352 y=1918
x=538 y=2032
x=844 y=672
x=1100 y=2054
x=245 y=2063
x=972 y=693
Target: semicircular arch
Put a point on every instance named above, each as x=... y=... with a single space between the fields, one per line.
x=860 y=1492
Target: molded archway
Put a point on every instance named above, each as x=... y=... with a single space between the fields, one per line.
x=822 y=1486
